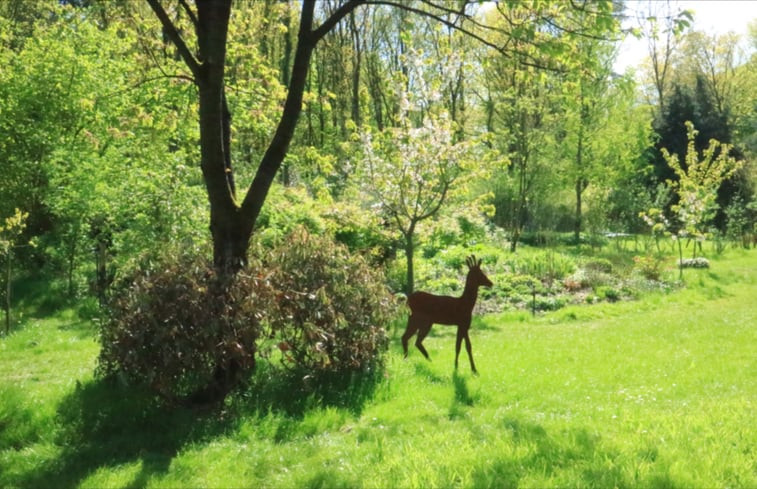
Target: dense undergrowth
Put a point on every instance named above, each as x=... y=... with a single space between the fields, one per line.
x=655 y=392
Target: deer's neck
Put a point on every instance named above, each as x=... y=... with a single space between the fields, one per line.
x=470 y=293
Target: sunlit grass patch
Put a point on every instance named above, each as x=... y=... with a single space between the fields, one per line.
x=652 y=393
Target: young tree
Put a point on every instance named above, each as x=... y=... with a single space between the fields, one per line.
x=523 y=124
x=410 y=172
x=604 y=134
x=696 y=188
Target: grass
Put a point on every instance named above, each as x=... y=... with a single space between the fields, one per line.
x=656 y=393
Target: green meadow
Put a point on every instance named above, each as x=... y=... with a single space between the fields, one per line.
x=658 y=392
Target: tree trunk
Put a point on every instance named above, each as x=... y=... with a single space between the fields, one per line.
x=8 y=292
x=409 y=251
x=579 y=212
x=232 y=224
x=356 y=66
x=514 y=240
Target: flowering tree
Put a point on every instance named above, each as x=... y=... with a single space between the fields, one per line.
x=410 y=172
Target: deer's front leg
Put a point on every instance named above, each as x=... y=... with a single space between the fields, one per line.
x=469 y=349
x=458 y=342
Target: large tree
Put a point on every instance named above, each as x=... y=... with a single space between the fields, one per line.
x=233 y=217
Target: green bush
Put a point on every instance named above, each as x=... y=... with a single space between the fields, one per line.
x=650 y=267
x=549 y=303
x=545 y=266
x=602 y=265
x=609 y=293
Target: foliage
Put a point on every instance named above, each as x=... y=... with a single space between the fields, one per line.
x=698 y=182
x=11 y=237
x=330 y=308
x=172 y=324
x=650 y=267
x=547 y=265
x=742 y=221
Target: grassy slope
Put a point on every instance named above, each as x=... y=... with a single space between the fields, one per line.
x=653 y=393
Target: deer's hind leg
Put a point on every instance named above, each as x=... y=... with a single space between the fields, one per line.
x=413 y=322
x=423 y=330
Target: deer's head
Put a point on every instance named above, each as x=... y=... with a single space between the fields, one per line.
x=475 y=275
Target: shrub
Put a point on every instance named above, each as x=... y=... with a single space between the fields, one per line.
x=576 y=281
x=329 y=307
x=545 y=266
x=172 y=326
x=609 y=293
x=649 y=266
x=602 y=265
x=549 y=303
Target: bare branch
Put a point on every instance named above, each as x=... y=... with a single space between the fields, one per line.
x=173 y=33
x=192 y=16
x=334 y=18
x=437 y=18
x=504 y=50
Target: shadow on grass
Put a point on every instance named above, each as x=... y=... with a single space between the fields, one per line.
x=292 y=393
x=462 y=398
x=573 y=454
x=106 y=425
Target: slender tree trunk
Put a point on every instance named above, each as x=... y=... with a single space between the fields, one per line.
x=514 y=240
x=72 y=260
x=357 y=58
x=8 y=293
x=579 y=211
x=409 y=251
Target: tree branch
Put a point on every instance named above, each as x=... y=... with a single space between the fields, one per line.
x=334 y=18
x=173 y=34
x=437 y=18
x=192 y=16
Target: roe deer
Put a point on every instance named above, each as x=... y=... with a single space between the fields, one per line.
x=428 y=309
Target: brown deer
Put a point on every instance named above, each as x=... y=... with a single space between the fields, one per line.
x=428 y=309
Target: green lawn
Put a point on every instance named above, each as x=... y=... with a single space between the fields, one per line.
x=658 y=392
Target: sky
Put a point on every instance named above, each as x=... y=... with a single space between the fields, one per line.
x=710 y=16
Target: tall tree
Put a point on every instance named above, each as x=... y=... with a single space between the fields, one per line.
x=661 y=25
x=232 y=218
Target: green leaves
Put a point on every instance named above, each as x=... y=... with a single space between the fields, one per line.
x=698 y=182
x=699 y=179
x=11 y=230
